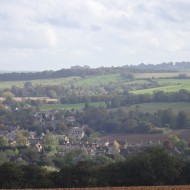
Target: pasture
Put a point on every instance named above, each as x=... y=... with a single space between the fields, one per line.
x=170 y=85
x=172 y=88
x=46 y=107
x=58 y=81
x=153 y=107
x=76 y=80
x=158 y=75
x=99 y=80
x=167 y=84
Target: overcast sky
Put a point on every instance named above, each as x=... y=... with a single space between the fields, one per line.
x=55 y=34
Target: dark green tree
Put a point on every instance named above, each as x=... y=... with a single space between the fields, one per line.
x=10 y=176
x=183 y=120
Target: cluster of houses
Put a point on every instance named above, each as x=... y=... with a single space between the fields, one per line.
x=66 y=145
x=103 y=147
x=72 y=139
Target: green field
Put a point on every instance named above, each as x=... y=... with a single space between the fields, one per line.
x=158 y=75
x=46 y=107
x=152 y=107
x=78 y=81
x=170 y=85
x=138 y=81
x=98 y=80
x=9 y=84
x=172 y=88
x=55 y=81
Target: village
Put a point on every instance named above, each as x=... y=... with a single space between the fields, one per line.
x=71 y=136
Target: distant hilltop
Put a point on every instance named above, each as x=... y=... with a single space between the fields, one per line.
x=80 y=67
x=177 y=66
x=1 y=72
x=5 y=72
x=84 y=71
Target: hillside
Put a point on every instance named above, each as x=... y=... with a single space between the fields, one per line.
x=87 y=71
x=153 y=107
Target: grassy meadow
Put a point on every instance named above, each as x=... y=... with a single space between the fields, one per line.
x=145 y=107
x=168 y=84
x=171 y=85
x=58 y=81
x=141 y=78
x=153 y=107
x=99 y=80
x=76 y=80
x=46 y=107
x=159 y=75
x=172 y=88
x=9 y=84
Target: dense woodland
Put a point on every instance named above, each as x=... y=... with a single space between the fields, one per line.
x=99 y=119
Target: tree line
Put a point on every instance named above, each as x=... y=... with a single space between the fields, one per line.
x=134 y=121
x=63 y=73
x=87 y=71
x=153 y=167
x=113 y=99
x=101 y=119
x=170 y=66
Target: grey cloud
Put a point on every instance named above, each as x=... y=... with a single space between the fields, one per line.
x=93 y=31
x=95 y=28
x=180 y=9
x=122 y=22
x=24 y=39
x=20 y=44
x=3 y=16
x=165 y=15
x=4 y=22
x=62 y=21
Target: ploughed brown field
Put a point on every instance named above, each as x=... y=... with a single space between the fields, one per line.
x=126 y=188
x=144 y=138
